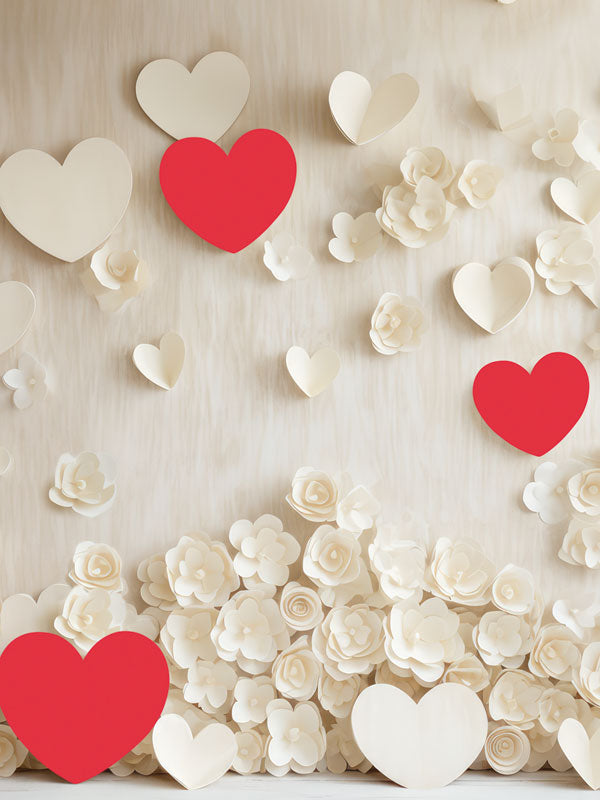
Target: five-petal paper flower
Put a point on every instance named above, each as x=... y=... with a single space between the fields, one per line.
x=397 y=324
x=85 y=483
x=478 y=182
x=355 y=239
x=557 y=142
x=286 y=259
x=415 y=215
x=27 y=381
x=265 y=551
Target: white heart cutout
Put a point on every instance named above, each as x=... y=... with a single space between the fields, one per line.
x=67 y=209
x=194 y=761
x=494 y=297
x=161 y=365
x=362 y=114
x=204 y=102
x=581 y=200
x=420 y=746
x=17 y=307
x=312 y=374
x=582 y=751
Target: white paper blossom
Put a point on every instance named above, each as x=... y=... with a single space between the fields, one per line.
x=557 y=142
x=252 y=696
x=420 y=162
x=566 y=257
x=210 y=685
x=556 y=653
x=349 y=641
x=296 y=671
x=155 y=589
x=461 y=572
x=200 y=571
x=333 y=562
x=265 y=551
x=115 y=276
x=587 y=142
x=506 y=749
x=581 y=545
x=250 y=752
x=12 y=752
x=397 y=324
x=478 y=182
x=469 y=671
x=27 y=382
x=581 y=617
x=547 y=493
x=140 y=760
x=356 y=512
x=584 y=492
x=296 y=737
x=587 y=681
x=286 y=259
x=515 y=698
x=85 y=483
x=20 y=613
x=315 y=494
x=398 y=560
x=300 y=607
x=90 y=614
x=338 y=696
x=556 y=706
x=342 y=750
x=415 y=215
x=513 y=590
x=97 y=565
x=355 y=239
x=502 y=638
x=186 y=636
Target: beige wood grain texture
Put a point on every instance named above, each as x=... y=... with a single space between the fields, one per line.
x=226 y=441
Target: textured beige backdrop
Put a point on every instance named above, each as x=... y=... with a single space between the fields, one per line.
x=226 y=441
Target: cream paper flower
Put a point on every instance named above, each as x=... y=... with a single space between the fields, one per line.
x=461 y=572
x=565 y=257
x=296 y=671
x=296 y=738
x=195 y=718
x=420 y=162
x=355 y=239
x=506 y=749
x=333 y=562
x=415 y=215
x=587 y=681
x=587 y=142
x=210 y=685
x=186 y=636
x=338 y=696
x=85 y=483
x=513 y=590
x=265 y=551
x=315 y=494
x=342 y=750
x=356 y=512
x=12 y=752
x=285 y=258
x=584 y=492
x=20 y=613
x=155 y=589
x=300 y=607
x=200 y=571
x=581 y=545
x=515 y=698
x=349 y=641
x=389 y=673
x=252 y=696
x=90 y=614
x=556 y=706
x=97 y=566
x=547 y=494
x=469 y=671
x=503 y=639
x=421 y=637
x=557 y=142
x=250 y=752
x=251 y=631
x=397 y=324
x=556 y=653
x=582 y=617
x=140 y=760
x=398 y=561
x=115 y=276
x=27 y=382
x=478 y=182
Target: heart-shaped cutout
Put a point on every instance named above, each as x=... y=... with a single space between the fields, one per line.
x=420 y=746
x=194 y=761
x=17 y=307
x=581 y=200
x=204 y=102
x=532 y=412
x=161 y=365
x=79 y=716
x=493 y=298
x=312 y=374
x=229 y=200
x=67 y=209
x=362 y=114
x=582 y=751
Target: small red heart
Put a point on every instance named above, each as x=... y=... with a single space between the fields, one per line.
x=533 y=412
x=229 y=200
x=79 y=716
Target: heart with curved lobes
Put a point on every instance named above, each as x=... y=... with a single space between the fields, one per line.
x=532 y=411
x=229 y=200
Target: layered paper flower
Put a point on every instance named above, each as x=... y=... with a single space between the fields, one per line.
x=506 y=749
x=584 y=492
x=582 y=617
x=513 y=590
x=200 y=571
x=333 y=562
x=315 y=494
x=566 y=257
x=399 y=562
x=85 y=483
x=97 y=566
x=300 y=607
x=587 y=681
x=349 y=641
x=156 y=590
x=250 y=752
x=503 y=639
x=587 y=143
x=12 y=752
x=90 y=614
x=547 y=493
x=115 y=276
x=141 y=760
x=265 y=551
x=478 y=182
x=356 y=512
x=515 y=698
x=20 y=613
x=296 y=671
x=252 y=696
x=415 y=215
x=210 y=685
x=556 y=706
x=581 y=545
x=557 y=142
x=461 y=572
x=186 y=636
x=296 y=737
x=556 y=653
x=338 y=696
x=355 y=239
x=286 y=259
x=430 y=162
x=397 y=324
x=342 y=750
x=27 y=381
x=469 y=671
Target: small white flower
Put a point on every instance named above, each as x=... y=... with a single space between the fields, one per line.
x=415 y=215
x=315 y=494
x=513 y=590
x=355 y=239
x=286 y=259
x=90 y=614
x=397 y=560
x=555 y=707
x=420 y=162
x=252 y=696
x=557 y=142
x=342 y=750
x=582 y=618
x=587 y=682
x=338 y=696
x=97 y=565
x=461 y=572
x=186 y=636
x=250 y=752
x=140 y=760
x=547 y=493
x=333 y=562
x=349 y=641
x=12 y=752
x=506 y=748
x=85 y=483
x=210 y=685
x=265 y=551
x=155 y=589
x=200 y=571
x=556 y=653
x=27 y=381
x=296 y=671
x=515 y=698
x=115 y=276
x=300 y=607
x=397 y=324
x=478 y=182
x=566 y=257
x=296 y=737
x=502 y=639
x=356 y=512
x=581 y=545
x=584 y=492
x=21 y=614
x=587 y=142
x=469 y=671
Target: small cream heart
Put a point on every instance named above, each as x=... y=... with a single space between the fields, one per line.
x=312 y=374
x=17 y=307
x=582 y=752
x=580 y=201
x=424 y=746
x=194 y=761
x=161 y=365
x=494 y=297
x=362 y=114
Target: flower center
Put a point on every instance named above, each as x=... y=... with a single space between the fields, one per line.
x=593 y=490
x=553 y=134
x=352 y=631
x=193 y=635
x=560 y=489
x=246 y=630
x=394 y=323
x=85 y=619
x=200 y=574
x=253 y=702
x=294 y=671
x=473 y=181
x=354 y=239
x=508 y=592
x=244 y=751
x=294 y=734
x=551 y=652
x=80 y=484
x=32 y=382
x=115 y=267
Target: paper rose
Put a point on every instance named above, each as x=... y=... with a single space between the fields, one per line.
x=415 y=215
x=349 y=641
x=250 y=752
x=587 y=681
x=27 y=381
x=355 y=239
x=90 y=614
x=296 y=671
x=85 y=483
x=265 y=551
x=186 y=636
x=584 y=492
x=397 y=324
x=200 y=571
x=506 y=749
x=478 y=182
x=300 y=607
x=547 y=493
x=286 y=259
x=252 y=696
x=399 y=562
x=296 y=737
x=115 y=276
x=430 y=162
x=338 y=696
x=315 y=494
x=97 y=565
x=210 y=685
x=342 y=750
x=251 y=631
x=557 y=142
x=581 y=545
x=515 y=698
x=356 y=511
x=555 y=707
x=333 y=562
x=565 y=257
x=469 y=671
x=502 y=638
x=421 y=637
x=587 y=143
x=21 y=614
x=513 y=590
x=556 y=653
x=12 y=752
x=155 y=589
x=461 y=572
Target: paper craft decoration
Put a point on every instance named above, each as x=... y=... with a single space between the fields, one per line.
x=67 y=209
x=79 y=716
x=6 y=461
x=420 y=746
x=582 y=751
x=161 y=365
x=494 y=297
x=194 y=761
x=532 y=412
x=581 y=200
x=204 y=102
x=17 y=307
x=312 y=374
x=229 y=200
x=507 y=110
x=362 y=114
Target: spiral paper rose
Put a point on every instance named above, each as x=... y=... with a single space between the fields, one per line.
x=115 y=276
x=460 y=571
x=556 y=653
x=296 y=737
x=513 y=590
x=478 y=182
x=502 y=639
x=584 y=492
x=581 y=545
x=398 y=562
x=420 y=162
x=350 y=641
x=300 y=607
x=85 y=483
x=397 y=324
x=265 y=551
x=314 y=495
x=506 y=749
x=200 y=571
x=415 y=215
x=338 y=696
x=97 y=565
x=296 y=671
x=186 y=636
x=333 y=562
x=515 y=698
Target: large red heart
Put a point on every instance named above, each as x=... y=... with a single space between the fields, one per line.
x=229 y=200
x=80 y=716
x=533 y=412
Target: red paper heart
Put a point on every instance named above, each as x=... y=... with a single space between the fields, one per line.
x=533 y=412
x=229 y=200
x=80 y=716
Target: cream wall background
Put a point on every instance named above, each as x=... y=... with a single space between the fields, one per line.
x=225 y=443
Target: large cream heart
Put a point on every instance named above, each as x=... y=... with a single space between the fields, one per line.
x=17 y=307
x=581 y=200
x=582 y=752
x=194 y=761
x=161 y=365
x=362 y=114
x=67 y=209
x=495 y=297
x=204 y=102
x=424 y=746
x=312 y=374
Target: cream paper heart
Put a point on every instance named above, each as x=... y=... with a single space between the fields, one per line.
x=204 y=102
x=362 y=114
x=67 y=209
x=194 y=761
x=581 y=200
x=312 y=374
x=161 y=365
x=582 y=752
x=17 y=307
x=494 y=297
x=424 y=746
